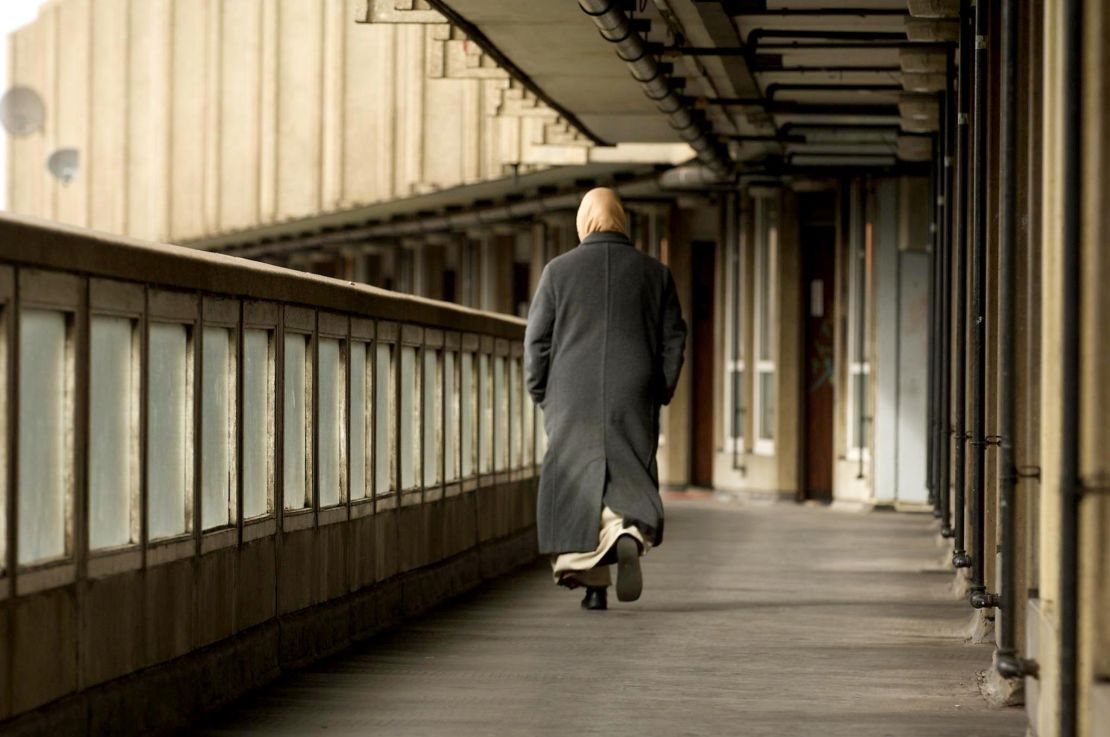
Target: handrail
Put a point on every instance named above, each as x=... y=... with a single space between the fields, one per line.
x=33 y=241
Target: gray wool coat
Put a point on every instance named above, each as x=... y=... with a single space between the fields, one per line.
x=603 y=350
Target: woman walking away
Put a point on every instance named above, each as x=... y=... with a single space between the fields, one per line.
x=603 y=351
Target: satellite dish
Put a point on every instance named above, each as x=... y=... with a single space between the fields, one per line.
x=22 y=111
x=64 y=163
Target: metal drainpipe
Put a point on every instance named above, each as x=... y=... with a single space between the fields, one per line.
x=616 y=29
x=1071 y=14
x=979 y=598
x=944 y=433
x=960 y=558
x=934 y=324
x=1007 y=662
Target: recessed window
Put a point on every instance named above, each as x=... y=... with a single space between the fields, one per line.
x=218 y=477
x=468 y=416
x=169 y=431
x=385 y=438
x=452 y=435
x=433 y=415
x=331 y=449
x=258 y=423
x=485 y=418
x=113 y=432
x=410 y=429
x=361 y=415
x=296 y=445
x=501 y=416
x=45 y=417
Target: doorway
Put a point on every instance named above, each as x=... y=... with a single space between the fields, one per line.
x=817 y=235
x=703 y=279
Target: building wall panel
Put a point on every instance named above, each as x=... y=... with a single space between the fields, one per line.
x=72 y=106
x=150 y=33
x=240 y=119
x=299 y=107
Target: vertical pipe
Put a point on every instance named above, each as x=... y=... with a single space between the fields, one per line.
x=934 y=308
x=1007 y=662
x=979 y=306
x=1071 y=81
x=960 y=558
x=944 y=432
x=859 y=215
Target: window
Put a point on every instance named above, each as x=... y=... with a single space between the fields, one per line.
x=433 y=415
x=169 y=430
x=468 y=415
x=113 y=432
x=361 y=417
x=296 y=390
x=485 y=424
x=258 y=422
x=45 y=415
x=331 y=449
x=516 y=415
x=528 y=425
x=410 y=419
x=452 y=439
x=501 y=416
x=218 y=478
x=385 y=438
x=766 y=211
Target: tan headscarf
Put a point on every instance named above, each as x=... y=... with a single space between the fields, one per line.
x=600 y=211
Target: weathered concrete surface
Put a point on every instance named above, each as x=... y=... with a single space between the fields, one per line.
x=756 y=620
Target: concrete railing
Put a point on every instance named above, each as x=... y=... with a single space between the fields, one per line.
x=213 y=470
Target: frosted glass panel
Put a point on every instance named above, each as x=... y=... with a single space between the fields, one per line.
x=432 y=417
x=451 y=418
x=528 y=422
x=295 y=460
x=112 y=422
x=43 y=461
x=501 y=409
x=332 y=397
x=468 y=411
x=485 y=420
x=410 y=419
x=169 y=424
x=541 y=436
x=217 y=477
x=258 y=423
x=515 y=415
x=383 y=420
x=360 y=390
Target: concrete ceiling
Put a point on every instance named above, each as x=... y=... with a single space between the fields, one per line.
x=786 y=67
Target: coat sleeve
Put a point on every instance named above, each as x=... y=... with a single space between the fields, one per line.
x=537 y=338
x=674 y=339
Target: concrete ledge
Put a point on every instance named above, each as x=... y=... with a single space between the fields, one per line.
x=176 y=693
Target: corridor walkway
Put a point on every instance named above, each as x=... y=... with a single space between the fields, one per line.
x=756 y=620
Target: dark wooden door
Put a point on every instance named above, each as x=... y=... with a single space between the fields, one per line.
x=702 y=411
x=818 y=240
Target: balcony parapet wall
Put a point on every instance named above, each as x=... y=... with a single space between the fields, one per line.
x=214 y=470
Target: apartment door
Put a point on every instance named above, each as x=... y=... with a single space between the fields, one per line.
x=818 y=241
x=701 y=358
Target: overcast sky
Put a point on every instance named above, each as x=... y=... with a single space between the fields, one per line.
x=13 y=14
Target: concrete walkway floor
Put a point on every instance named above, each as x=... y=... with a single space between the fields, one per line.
x=755 y=620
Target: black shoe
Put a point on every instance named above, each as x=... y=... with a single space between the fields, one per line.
x=594 y=598
x=630 y=582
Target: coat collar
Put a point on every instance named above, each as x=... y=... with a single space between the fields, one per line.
x=606 y=236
